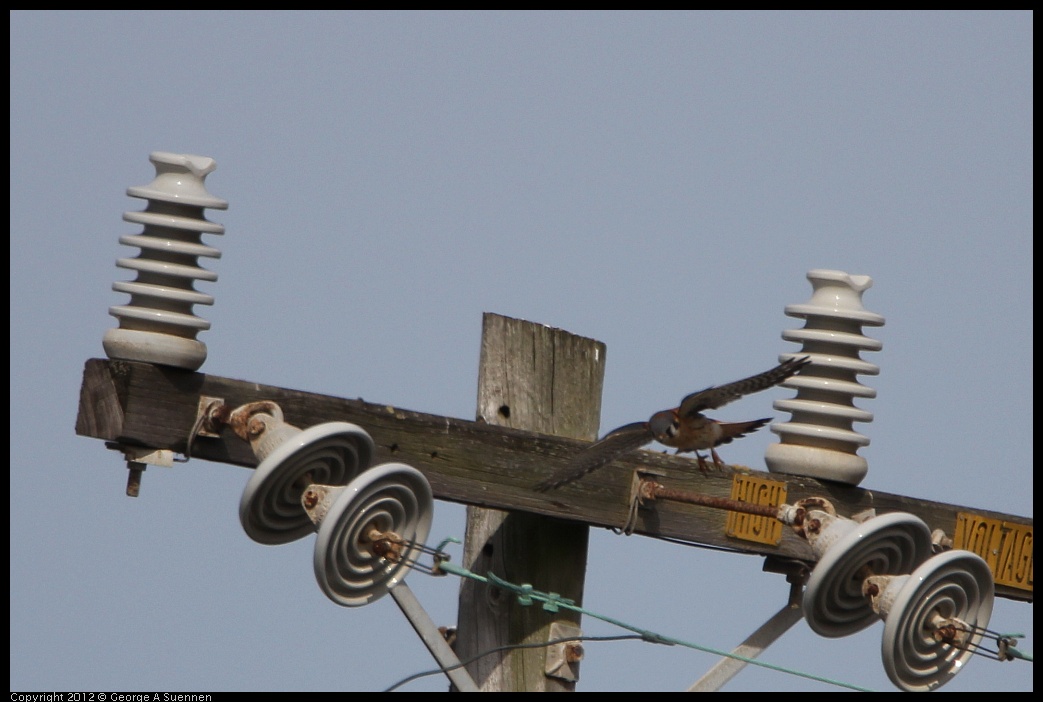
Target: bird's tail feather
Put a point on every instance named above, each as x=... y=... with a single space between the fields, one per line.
x=733 y=430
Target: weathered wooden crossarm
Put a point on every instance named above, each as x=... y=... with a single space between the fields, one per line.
x=470 y=462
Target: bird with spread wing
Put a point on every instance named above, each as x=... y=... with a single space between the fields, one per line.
x=684 y=427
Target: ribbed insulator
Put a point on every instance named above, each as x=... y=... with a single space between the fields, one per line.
x=819 y=441
x=158 y=325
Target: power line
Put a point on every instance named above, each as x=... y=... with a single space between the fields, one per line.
x=551 y=602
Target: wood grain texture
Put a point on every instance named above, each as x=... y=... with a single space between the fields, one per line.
x=544 y=380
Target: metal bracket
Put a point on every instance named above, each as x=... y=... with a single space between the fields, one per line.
x=563 y=658
x=204 y=415
x=152 y=457
x=636 y=501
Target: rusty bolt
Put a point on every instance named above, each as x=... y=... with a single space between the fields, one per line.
x=217 y=416
x=311 y=498
x=387 y=549
x=134 y=478
x=255 y=427
x=946 y=634
x=573 y=652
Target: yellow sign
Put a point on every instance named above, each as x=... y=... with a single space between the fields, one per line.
x=752 y=527
x=1005 y=546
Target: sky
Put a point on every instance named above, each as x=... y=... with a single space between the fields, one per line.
x=659 y=181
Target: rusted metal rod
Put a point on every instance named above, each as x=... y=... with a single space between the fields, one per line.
x=652 y=490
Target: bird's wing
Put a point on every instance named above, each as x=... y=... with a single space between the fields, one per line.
x=600 y=453
x=720 y=395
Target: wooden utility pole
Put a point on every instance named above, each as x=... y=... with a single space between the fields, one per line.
x=545 y=380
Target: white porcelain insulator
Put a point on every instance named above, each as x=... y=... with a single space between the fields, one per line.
x=158 y=325
x=819 y=440
x=934 y=619
x=392 y=498
x=889 y=544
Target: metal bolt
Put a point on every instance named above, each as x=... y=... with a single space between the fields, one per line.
x=134 y=478
x=573 y=652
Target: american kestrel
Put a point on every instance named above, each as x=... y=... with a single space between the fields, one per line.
x=684 y=427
